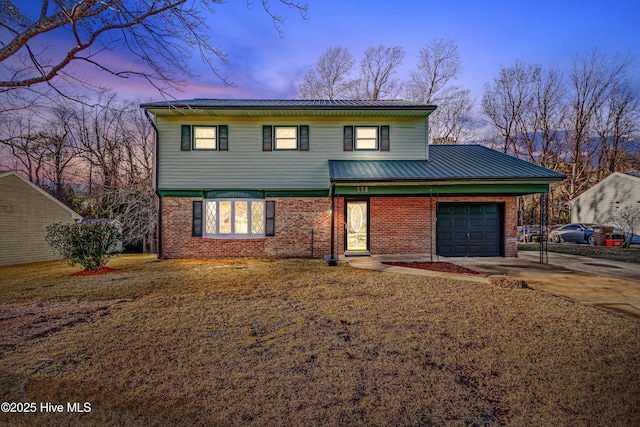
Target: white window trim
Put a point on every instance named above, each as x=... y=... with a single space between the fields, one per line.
x=233 y=235
x=355 y=138
x=275 y=138
x=193 y=143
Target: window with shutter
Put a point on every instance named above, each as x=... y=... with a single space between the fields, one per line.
x=270 y=218
x=223 y=137
x=384 y=138
x=234 y=218
x=348 y=138
x=196 y=226
x=267 y=138
x=304 y=138
x=185 y=138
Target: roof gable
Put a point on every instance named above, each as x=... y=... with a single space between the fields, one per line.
x=631 y=176
x=73 y=213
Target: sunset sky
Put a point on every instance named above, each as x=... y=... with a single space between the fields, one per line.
x=489 y=34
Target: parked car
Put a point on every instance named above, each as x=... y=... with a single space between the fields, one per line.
x=576 y=233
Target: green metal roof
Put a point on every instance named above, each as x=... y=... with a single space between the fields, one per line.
x=289 y=107
x=446 y=162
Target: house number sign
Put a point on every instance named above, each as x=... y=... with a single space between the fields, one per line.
x=363 y=189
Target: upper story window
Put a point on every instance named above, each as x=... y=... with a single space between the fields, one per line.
x=366 y=138
x=205 y=138
x=286 y=138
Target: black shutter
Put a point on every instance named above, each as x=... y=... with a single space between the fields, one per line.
x=196 y=226
x=270 y=225
x=348 y=138
x=185 y=138
x=267 y=138
x=384 y=138
x=223 y=137
x=304 y=137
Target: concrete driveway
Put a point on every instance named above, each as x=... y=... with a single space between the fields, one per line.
x=611 y=285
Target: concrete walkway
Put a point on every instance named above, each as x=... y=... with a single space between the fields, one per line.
x=611 y=285
x=375 y=262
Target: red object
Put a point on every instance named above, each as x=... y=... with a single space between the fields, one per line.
x=614 y=242
x=102 y=270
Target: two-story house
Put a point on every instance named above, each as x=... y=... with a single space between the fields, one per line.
x=291 y=178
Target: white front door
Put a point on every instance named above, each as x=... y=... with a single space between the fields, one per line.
x=357 y=227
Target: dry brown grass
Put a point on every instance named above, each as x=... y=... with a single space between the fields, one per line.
x=294 y=342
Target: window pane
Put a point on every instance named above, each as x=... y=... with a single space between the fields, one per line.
x=225 y=217
x=212 y=217
x=366 y=138
x=286 y=138
x=257 y=217
x=205 y=137
x=241 y=218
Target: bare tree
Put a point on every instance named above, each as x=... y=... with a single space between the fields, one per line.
x=617 y=125
x=506 y=100
x=160 y=35
x=330 y=77
x=438 y=65
x=547 y=118
x=25 y=150
x=592 y=78
x=377 y=70
x=628 y=220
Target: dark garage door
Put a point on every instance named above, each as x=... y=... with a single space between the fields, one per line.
x=469 y=229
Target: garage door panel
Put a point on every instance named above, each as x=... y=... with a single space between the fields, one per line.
x=476 y=209
x=476 y=222
x=460 y=222
x=459 y=235
x=469 y=229
x=460 y=250
x=476 y=235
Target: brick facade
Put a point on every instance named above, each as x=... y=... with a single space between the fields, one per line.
x=294 y=221
x=398 y=225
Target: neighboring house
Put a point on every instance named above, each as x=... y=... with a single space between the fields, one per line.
x=25 y=212
x=597 y=204
x=280 y=178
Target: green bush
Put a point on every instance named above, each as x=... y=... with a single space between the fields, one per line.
x=89 y=244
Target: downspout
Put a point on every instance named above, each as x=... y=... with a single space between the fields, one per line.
x=332 y=259
x=155 y=159
x=431 y=224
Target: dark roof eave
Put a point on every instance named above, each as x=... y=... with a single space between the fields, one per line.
x=322 y=107
x=451 y=179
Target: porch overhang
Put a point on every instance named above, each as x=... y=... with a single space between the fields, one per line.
x=445 y=188
x=450 y=170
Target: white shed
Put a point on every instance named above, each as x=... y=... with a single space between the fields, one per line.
x=597 y=204
x=25 y=212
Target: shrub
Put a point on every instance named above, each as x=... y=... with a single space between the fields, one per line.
x=89 y=244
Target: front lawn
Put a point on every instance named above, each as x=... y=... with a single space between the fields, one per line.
x=294 y=342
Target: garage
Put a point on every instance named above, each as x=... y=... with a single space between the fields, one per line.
x=469 y=229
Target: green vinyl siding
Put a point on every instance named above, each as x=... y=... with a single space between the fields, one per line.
x=246 y=165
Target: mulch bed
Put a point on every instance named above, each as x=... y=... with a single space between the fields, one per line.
x=102 y=270
x=446 y=267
